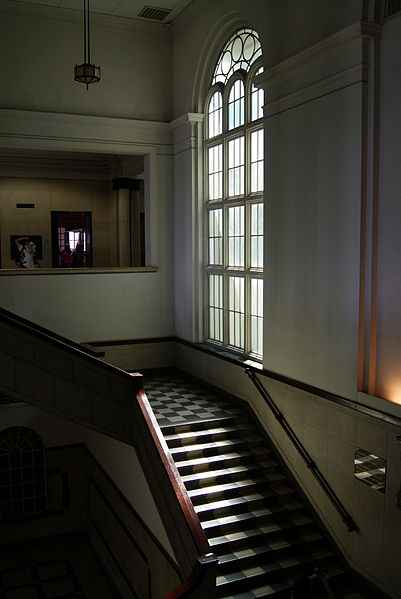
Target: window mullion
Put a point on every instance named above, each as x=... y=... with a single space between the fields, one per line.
x=239 y=277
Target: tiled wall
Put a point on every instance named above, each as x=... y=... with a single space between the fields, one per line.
x=331 y=433
x=63 y=383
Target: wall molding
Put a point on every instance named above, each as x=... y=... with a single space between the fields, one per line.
x=35 y=130
x=330 y=65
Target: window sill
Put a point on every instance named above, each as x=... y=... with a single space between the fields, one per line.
x=77 y=271
x=228 y=355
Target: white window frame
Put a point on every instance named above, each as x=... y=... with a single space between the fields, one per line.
x=247 y=199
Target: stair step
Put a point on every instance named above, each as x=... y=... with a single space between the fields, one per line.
x=207 y=435
x=259 y=518
x=269 y=533
x=248 y=499
x=271 y=549
x=215 y=447
x=236 y=416
x=246 y=503
x=278 y=590
x=234 y=472
x=235 y=488
x=266 y=573
x=201 y=464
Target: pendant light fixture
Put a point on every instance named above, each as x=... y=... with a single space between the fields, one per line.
x=86 y=72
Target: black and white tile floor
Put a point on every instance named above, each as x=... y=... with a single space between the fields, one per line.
x=256 y=522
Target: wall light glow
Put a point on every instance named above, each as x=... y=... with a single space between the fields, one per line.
x=393 y=391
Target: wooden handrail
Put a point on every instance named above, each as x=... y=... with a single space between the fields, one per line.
x=194 y=526
x=204 y=572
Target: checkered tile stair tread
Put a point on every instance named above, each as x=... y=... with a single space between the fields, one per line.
x=258 y=528
x=178 y=400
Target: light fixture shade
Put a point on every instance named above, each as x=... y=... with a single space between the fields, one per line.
x=86 y=73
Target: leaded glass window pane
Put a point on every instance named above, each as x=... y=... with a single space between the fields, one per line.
x=256 y=316
x=257 y=100
x=236 y=105
x=215 y=114
x=257 y=235
x=233 y=202
x=257 y=155
x=216 y=236
x=236 y=236
x=236 y=312
x=215 y=172
x=240 y=52
x=236 y=164
x=216 y=307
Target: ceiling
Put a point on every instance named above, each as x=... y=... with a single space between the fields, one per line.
x=167 y=10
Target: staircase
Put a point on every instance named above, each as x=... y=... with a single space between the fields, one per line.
x=256 y=521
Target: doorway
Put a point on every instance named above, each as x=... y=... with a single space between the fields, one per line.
x=71 y=231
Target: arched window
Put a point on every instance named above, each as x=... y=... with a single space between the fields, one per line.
x=234 y=149
x=22 y=472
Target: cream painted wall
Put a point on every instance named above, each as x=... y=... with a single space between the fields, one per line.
x=388 y=374
x=93 y=307
x=312 y=253
x=40 y=52
x=122 y=465
x=49 y=195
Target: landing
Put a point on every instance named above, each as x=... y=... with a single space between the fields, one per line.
x=178 y=399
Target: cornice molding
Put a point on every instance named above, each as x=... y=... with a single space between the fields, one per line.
x=72 y=132
x=330 y=65
x=317 y=53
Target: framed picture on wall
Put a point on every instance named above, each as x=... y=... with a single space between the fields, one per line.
x=26 y=250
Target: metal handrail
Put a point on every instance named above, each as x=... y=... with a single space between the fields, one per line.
x=311 y=465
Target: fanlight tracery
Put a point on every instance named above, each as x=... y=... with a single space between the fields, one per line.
x=240 y=52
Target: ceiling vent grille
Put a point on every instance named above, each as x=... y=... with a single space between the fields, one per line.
x=154 y=13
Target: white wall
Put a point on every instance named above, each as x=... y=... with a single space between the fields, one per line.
x=313 y=240
x=93 y=307
x=39 y=53
x=388 y=381
x=122 y=465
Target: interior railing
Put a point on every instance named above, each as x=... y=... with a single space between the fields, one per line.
x=201 y=582
x=311 y=465
x=195 y=559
